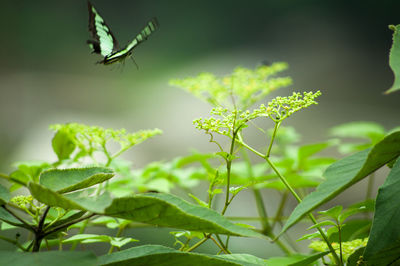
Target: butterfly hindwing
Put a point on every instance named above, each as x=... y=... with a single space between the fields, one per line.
x=103 y=41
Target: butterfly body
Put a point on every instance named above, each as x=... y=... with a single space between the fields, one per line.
x=104 y=42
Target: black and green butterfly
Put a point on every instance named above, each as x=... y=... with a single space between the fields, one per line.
x=105 y=43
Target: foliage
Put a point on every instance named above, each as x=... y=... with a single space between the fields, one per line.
x=54 y=204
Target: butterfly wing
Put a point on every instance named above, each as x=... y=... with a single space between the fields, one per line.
x=103 y=41
x=150 y=27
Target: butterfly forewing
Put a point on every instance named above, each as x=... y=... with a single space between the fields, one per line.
x=103 y=41
x=151 y=26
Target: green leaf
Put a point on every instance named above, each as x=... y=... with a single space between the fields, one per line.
x=333 y=212
x=62 y=145
x=4 y=195
x=346 y=172
x=72 y=201
x=245 y=259
x=170 y=211
x=386 y=224
x=199 y=201
x=309 y=259
x=316 y=234
x=394 y=58
x=67 y=180
x=164 y=256
x=388 y=256
x=48 y=258
x=296 y=259
x=152 y=208
x=323 y=223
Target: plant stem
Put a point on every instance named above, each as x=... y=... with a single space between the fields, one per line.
x=289 y=187
x=27 y=226
x=340 y=243
x=228 y=170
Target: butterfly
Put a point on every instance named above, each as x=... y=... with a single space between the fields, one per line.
x=104 y=42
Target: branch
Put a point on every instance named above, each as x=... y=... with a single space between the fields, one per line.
x=28 y=226
x=60 y=227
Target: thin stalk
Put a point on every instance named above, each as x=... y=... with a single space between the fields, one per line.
x=81 y=231
x=280 y=208
x=198 y=243
x=370 y=186
x=120 y=230
x=262 y=212
x=63 y=226
x=272 y=138
x=220 y=244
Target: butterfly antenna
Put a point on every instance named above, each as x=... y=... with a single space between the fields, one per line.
x=137 y=66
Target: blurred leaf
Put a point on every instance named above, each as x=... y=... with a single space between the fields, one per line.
x=93 y=238
x=361 y=207
x=386 y=224
x=48 y=258
x=355 y=257
x=360 y=129
x=316 y=234
x=67 y=180
x=296 y=259
x=307 y=151
x=352 y=229
x=28 y=171
x=331 y=231
x=8 y=218
x=346 y=172
x=163 y=256
x=4 y=195
x=394 y=58
x=62 y=145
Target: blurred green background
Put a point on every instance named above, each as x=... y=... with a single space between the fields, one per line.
x=48 y=75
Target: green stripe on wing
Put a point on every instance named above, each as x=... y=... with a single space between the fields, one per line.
x=151 y=26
